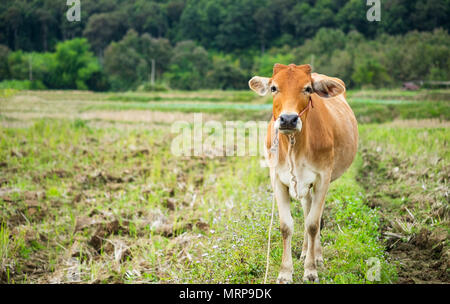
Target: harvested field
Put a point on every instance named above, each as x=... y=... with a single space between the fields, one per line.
x=90 y=192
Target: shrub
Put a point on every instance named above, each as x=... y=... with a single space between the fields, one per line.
x=370 y=72
x=225 y=74
x=22 y=85
x=72 y=66
x=157 y=87
x=75 y=64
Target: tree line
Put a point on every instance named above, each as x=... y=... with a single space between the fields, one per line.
x=219 y=44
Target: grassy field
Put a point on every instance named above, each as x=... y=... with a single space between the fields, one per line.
x=90 y=192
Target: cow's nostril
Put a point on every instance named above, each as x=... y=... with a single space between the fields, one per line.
x=288 y=121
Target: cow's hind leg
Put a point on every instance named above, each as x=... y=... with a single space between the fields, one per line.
x=306 y=204
x=287 y=228
x=314 y=253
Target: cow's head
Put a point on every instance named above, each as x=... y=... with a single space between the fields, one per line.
x=291 y=87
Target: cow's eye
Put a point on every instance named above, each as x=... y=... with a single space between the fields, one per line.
x=308 y=90
x=273 y=89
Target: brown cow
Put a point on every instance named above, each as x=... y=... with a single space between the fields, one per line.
x=316 y=135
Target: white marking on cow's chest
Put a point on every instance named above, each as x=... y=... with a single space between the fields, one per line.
x=304 y=174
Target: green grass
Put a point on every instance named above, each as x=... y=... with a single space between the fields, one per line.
x=205 y=107
x=358 y=229
x=218 y=228
x=409 y=141
x=399 y=94
x=231 y=96
x=5 y=250
x=237 y=254
x=379 y=111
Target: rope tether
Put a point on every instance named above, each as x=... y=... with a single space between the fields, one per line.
x=293 y=180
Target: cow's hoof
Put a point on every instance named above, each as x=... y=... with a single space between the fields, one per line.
x=284 y=278
x=311 y=276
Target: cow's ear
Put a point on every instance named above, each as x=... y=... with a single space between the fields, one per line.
x=326 y=86
x=259 y=84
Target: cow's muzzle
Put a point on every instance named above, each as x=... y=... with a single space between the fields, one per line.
x=288 y=122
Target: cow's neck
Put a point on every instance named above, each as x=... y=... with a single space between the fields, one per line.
x=295 y=144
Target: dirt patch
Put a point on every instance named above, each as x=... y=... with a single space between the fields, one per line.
x=103 y=230
x=422 y=259
x=421 y=250
x=100 y=177
x=21 y=207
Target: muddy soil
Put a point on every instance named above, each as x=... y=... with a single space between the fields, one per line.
x=422 y=254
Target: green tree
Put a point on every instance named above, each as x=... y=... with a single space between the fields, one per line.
x=14 y=17
x=226 y=74
x=307 y=19
x=123 y=62
x=38 y=68
x=18 y=65
x=104 y=28
x=226 y=25
x=237 y=29
x=370 y=73
x=128 y=62
x=264 y=18
x=158 y=49
x=264 y=64
x=188 y=67
x=431 y=14
x=353 y=17
x=4 y=68
x=75 y=64
x=174 y=10
x=149 y=17
x=200 y=21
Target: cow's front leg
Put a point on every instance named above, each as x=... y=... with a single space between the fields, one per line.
x=287 y=228
x=314 y=253
x=306 y=204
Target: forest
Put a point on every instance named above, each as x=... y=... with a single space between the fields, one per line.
x=210 y=44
